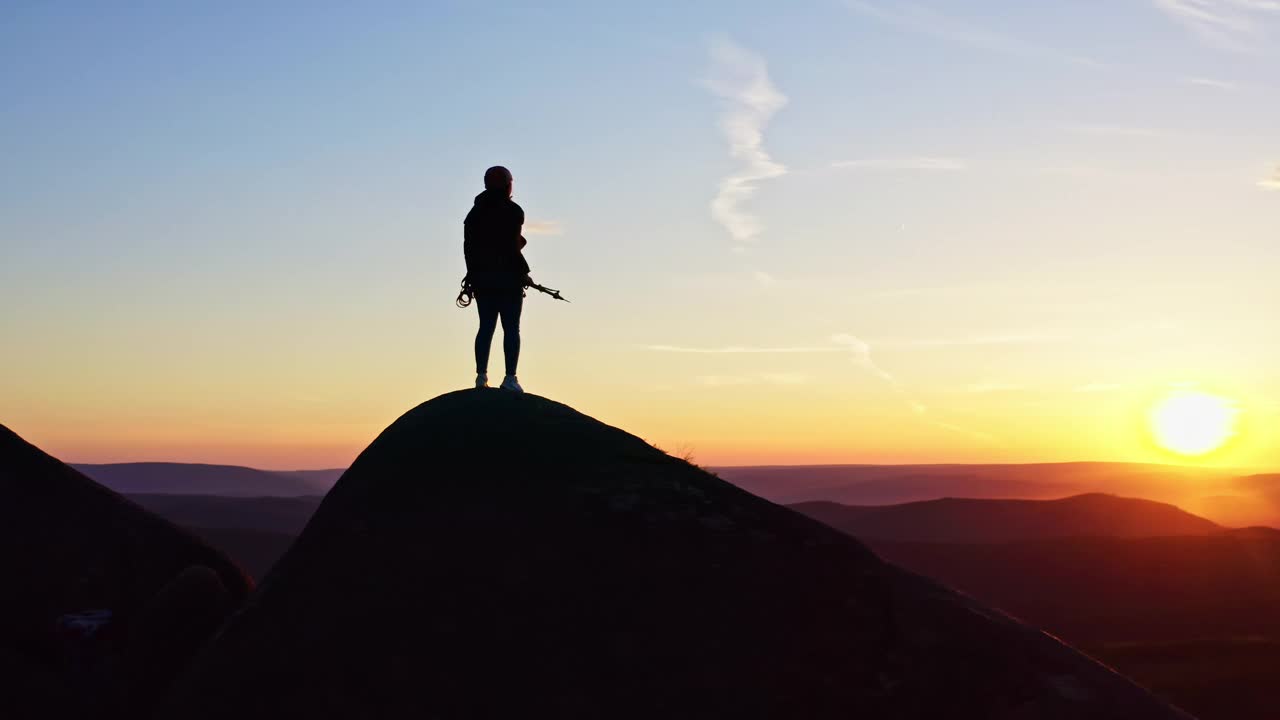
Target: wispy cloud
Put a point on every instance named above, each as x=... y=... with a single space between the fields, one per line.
x=990 y=386
x=743 y=349
x=764 y=279
x=860 y=352
x=1272 y=182
x=1076 y=170
x=1097 y=388
x=861 y=349
x=757 y=378
x=1237 y=25
x=922 y=20
x=904 y=292
x=911 y=163
x=1123 y=131
x=543 y=227
x=741 y=79
x=1013 y=338
x=1211 y=83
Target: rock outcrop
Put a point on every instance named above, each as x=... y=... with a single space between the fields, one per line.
x=493 y=555
x=103 y=602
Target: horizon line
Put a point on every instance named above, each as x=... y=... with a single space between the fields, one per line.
x=715 y=466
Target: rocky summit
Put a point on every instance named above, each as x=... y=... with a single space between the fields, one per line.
x=494 y=555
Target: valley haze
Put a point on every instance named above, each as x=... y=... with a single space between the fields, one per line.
x=1235 y=498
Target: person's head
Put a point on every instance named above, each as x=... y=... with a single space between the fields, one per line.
x=499 y=179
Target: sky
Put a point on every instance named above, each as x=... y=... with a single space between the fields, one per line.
x=840 y=231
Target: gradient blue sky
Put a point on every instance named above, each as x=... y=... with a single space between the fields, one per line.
x=978 y=231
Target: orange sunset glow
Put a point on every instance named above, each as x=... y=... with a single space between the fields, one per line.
x=880 y=359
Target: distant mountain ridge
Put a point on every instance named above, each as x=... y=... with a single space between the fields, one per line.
x=170 y=478
x=1224 y=495
x=979 y=520
x=892 y=484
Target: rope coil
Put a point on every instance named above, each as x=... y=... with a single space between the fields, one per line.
x=466 y=295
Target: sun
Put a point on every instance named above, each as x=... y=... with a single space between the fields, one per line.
x=1190 y=422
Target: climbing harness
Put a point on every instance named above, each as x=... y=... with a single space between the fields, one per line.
x=468 y=293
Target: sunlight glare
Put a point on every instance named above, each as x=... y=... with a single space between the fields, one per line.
x=1190 y=422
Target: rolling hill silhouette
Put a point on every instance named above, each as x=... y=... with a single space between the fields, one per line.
x=1225 y=496
x=257 y=551
x=893 y=484
x=1117 y=590
x=501 y=555
x=254 y=530
x=890 y=484
x=287 y=515
x=1196 y=618
x=72 y=552
x=1187 y=608
x=958 y=520
x=1251 y=500
x=199 y=479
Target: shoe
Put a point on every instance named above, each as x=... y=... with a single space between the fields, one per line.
x=510 y=383
x=482 y=381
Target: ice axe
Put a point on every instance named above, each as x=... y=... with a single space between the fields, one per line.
x=546 y=290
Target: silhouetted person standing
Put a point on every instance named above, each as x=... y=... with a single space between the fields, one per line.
x=497 y=272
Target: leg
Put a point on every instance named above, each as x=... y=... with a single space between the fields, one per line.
x=488 y=309
x=511 y=308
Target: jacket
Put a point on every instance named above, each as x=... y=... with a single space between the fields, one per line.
x=492 y=243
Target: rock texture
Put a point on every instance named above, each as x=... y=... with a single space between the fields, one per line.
x=84 y=572
x=492 y=555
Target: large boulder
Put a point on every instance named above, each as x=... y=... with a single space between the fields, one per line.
x=494 y=555
x=103 y=602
